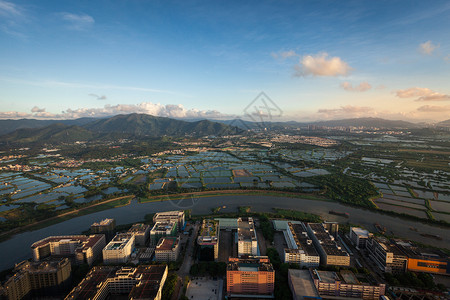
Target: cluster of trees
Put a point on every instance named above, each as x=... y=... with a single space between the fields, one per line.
x=208 y=268
x=410 y=279
x=169 y=286
x=266 y=227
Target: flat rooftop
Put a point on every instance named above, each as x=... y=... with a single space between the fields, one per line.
x=104 y=222
x=302 y=239
x=362 y=233
x=302 y=283
x=167 y=243
x=139 y=228
x=246 y=229
x=250 y=265
x=328 y=243
x=163 y=226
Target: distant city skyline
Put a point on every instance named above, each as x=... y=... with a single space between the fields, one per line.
x=316 y=60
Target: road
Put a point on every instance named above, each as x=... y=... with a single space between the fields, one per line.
x=188 y=257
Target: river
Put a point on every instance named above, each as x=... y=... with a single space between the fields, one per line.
x=18 y=248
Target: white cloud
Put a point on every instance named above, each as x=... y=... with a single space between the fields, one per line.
x=362 y=87
x=321 y=65
x=37 y=109
x=9 y=9
x=434 y=109
x=423 y=94
x=78 y=22
x=13 y=115
x=284 y=54
x=427 y=48
x=347 y=111
x=102 y=97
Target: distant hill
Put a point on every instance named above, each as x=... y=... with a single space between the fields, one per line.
x=7 y=126
x=120 y=126
x=445 y=123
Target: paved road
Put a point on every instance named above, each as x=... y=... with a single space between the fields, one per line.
x=188 y=259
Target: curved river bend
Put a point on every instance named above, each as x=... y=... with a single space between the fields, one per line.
x=18 y=248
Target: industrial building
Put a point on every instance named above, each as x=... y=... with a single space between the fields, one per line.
x=359 y=237
x=141 y=233
x=247 y=240
x=301 y=249
x=81 y=248
x=43 y=279
x=302 y=285
x=386 y=255
x=162 y=229
x=209 y=236
x=331 y=254
x=119 y=249
x=176 y=216
x=167 y=249
x=106 y=226
x=142 y=282
x=250 y=277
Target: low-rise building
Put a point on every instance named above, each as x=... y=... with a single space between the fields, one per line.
x=359 y=237
x=331 y=254
x=247 y=240
x=209 y=236
x=119 y=249
x=141 y=233
x=250 y=277
x=167 y=249
x=81 y=248
x=302 y=251
x=48 y=278
x=386 y=255
x=167 y=216
x=162 y=229
x=302 y=285
x=142 y=282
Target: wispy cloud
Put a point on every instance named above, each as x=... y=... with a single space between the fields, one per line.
x=362 y=87
x=9 y=9
x=428 y=48
x=102 y=97
x=284 y=54
x=77 y=21
x=346 y=111
x=37 y=110
x=12 y=16
x=321 y=65
x=422 y=94
x=434 y=108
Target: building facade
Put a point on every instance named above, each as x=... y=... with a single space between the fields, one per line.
x=162 y=229
x=176 y=216
x=141 y=233
x=302 y=251
x=209 y=236
x=386 y=255
x=359 y=237
x=247 y=240
x=167 y=249
x=119 y=249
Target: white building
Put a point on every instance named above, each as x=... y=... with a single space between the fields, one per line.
x=247 y=240
x=301 y=249
x=359 y=237
x=168 y=216
x=119 y=250
x=167 y=249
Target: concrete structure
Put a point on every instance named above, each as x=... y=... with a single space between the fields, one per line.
x=162 y=229
x=142 y=282
x=386 y=255
x=175 y=216
x=81 y=248
x=359 y=237
x=141 y=233
x=345 y=284
x=227 y=223
x=167 y=249
x=247 y=240
x=209 y=236
x=49 y=278
x=250 y=277
x=119 y=250
x=422 y=259
x=302 y=285
x=104 y=226
x=301 y=250
x=331 y=254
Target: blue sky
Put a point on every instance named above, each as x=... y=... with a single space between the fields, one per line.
x=314 y=59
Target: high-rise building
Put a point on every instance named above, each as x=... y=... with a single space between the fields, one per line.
x=48 y=278
x=119 y=249
x=250 y=277
x=176 y=216
x=142 y=282
x=331 y=254
x=81 y=248
x=162 y=229
x=359 y=237
x=106 y=227
x=302 y=251
x=141 y=233
x=247 y=240
x=209 y=236
x=167 y=249
x=386 y=255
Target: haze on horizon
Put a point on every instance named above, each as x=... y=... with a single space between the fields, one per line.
x=210 y=59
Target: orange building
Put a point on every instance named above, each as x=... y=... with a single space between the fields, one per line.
x=250 y=276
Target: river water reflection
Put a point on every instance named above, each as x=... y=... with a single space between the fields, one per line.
x=18 y=247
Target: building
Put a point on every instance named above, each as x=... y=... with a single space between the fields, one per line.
x=422 y=259
x=81 y=248
x=345 y=284
x=167 y=249
x=301 y=249
x=247 y=240
x=359 y=237
x=331 y=254
x=386 y=255
x=49 y=278
x=250 y=277
x=302 y=285
x=104 y=226
x=141 y=233
x=162 y=229
x=119 y=249
x=142 y=282
x=176 y=216
x=209 y=236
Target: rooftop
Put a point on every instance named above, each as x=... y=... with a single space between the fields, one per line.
x=104 y=222
x=167 y=243
x=326 y=240
x=362 y=233
x=250 y=264
x=139 y=228
x=302 y=283
x=246 y=229
x=302 y=239
x=118 y=242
